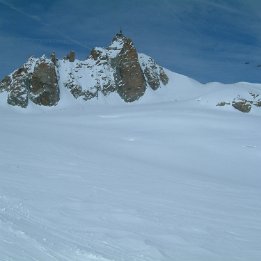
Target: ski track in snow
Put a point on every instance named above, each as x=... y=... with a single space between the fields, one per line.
x=176 y=179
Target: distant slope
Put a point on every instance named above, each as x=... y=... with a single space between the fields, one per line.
x=184 y=89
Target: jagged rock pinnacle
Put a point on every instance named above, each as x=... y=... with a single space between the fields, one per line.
x=129 y=77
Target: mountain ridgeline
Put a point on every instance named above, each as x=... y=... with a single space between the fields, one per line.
x=117 y=68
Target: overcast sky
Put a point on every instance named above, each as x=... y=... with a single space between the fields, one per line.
x=209 y=40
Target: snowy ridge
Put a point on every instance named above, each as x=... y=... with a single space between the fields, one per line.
x=113 y=74
x=88 y=74
x=179 y=88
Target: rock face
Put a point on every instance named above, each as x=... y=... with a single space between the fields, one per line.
x=36 y=81
x=115 y=69
x=44 y=85
x=154 y=74
x=15 y=89
x=5 y=84
x=129 y=78
x=18 y=94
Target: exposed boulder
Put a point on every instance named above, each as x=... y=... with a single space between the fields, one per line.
x=242 y=105
x=223 y=103
x=44 y=88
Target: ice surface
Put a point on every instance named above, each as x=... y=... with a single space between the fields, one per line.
x=170 y=177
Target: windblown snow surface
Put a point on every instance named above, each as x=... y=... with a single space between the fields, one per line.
x=170 y=177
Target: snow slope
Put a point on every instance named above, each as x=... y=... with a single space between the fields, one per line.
x=169 y=177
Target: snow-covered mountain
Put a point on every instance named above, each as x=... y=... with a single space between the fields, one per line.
x=117 y=68
x=127 y=161
x=116 y=71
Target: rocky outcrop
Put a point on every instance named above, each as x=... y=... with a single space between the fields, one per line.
x=163 y=76
x=53 y=58
x=242 y=105
x=245 y=103
x=115 y=69
x=129 y=78
x=153 y=73
x=223 y=103
x=71 y=56
x=44 y=88
x=36 y=81
x=95 y=54
x=18 y=90
x=5 y=84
